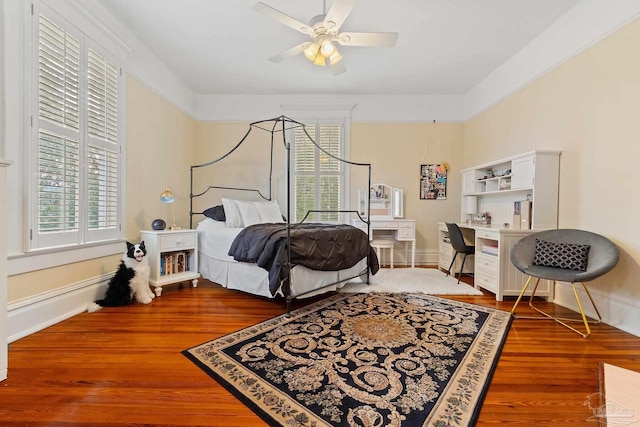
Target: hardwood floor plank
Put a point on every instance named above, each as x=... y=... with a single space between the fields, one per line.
x=123 y=365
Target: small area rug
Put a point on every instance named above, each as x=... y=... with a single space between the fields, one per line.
x=363 y=360
x=409 y=280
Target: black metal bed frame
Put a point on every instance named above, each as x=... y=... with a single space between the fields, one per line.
x=281 y=125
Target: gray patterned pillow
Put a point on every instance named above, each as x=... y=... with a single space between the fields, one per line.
x=570 y=256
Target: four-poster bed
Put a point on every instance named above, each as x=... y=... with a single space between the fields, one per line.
x=250 y=245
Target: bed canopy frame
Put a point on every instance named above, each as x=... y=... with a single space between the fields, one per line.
x=278 y=127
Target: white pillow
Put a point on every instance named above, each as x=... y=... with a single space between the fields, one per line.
x=269 y=211
x=232 y=213
x=249 y=213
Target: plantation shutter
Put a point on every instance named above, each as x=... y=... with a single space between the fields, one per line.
x=102 y=151
x=59 y=133
x=76 y=137
x=318 y=176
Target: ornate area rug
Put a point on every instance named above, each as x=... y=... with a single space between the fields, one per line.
x=363 y=360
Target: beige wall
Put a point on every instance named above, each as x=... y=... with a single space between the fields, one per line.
x=396 y=151
x=160 y=149
x=247 y=166
x=589 y=107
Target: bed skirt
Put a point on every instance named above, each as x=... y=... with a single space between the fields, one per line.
x=250 y=278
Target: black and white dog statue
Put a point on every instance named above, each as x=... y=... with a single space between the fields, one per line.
x=131 y=281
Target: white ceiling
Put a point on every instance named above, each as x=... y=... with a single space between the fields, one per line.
x=445 y=47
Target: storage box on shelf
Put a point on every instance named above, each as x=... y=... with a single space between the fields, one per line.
x=173 y=257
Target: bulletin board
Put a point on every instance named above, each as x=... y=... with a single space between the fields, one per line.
x=433 y=182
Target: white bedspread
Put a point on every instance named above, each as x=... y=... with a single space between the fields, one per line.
x=214 y=241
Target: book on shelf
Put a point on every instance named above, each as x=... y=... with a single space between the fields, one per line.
x=173 y=262
x=490 y=250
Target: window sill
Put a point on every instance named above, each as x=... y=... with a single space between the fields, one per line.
x=54 y=257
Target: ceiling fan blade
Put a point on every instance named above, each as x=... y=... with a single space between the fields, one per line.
x=282 y=18
x=338 y=68
x=290 y=52
x=338 y=12
x=367 y=39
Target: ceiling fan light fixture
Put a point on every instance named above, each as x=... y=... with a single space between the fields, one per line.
x=311 y=51
x=335 y=57
x=320 y=60
x=326 y=47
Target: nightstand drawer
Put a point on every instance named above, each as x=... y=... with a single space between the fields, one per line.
x=177 y=241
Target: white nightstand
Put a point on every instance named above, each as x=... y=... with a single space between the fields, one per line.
x=173 y=257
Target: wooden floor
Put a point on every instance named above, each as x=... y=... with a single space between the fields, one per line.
x=123 y=366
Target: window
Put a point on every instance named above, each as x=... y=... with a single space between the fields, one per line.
x=319 y=179
x=76 y=142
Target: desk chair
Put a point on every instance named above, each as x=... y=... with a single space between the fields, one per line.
x=564 y=255
x=459 y=245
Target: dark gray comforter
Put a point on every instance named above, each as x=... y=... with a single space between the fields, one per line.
x=313 y=245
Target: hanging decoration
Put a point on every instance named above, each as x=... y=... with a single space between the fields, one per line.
x=433 y=182
x=433 y=177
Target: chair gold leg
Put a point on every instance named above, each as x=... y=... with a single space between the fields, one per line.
x=560 y=320
x=524 y=289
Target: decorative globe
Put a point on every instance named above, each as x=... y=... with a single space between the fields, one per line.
x=158 y=224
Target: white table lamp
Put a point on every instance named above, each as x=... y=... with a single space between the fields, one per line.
x=470 y=206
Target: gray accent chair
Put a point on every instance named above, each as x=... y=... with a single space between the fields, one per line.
x=602 y=257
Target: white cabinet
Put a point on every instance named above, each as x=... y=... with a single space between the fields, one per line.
x=523 y=172
x=491 y=265
x=173 y=257
x=493 y=268
x=530 y=176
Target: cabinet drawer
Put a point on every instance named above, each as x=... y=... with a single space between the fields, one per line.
x=406 y=225
x=486 y=262
x=168 y=242
x=406 y=233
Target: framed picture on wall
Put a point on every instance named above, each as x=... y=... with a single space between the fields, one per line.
x=433 y=182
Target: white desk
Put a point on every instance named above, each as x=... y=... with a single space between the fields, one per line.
x=492 y=265
x=400 y=229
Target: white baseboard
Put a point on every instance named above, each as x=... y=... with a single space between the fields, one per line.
x=615 y=311
x=30 y=315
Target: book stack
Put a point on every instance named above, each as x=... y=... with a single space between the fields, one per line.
x=490 y=250
x=173 y=262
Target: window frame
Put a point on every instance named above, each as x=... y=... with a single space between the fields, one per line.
x=327 y=116
x=87 y=36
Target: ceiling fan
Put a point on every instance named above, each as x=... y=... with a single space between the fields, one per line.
x=324 y=31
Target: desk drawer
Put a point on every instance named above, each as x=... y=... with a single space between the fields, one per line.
x=487 y=263
x=485 y=281
x=406 y=233
x=446 y=249
x=487 y=235
x=384 y=224
x=177 y=241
